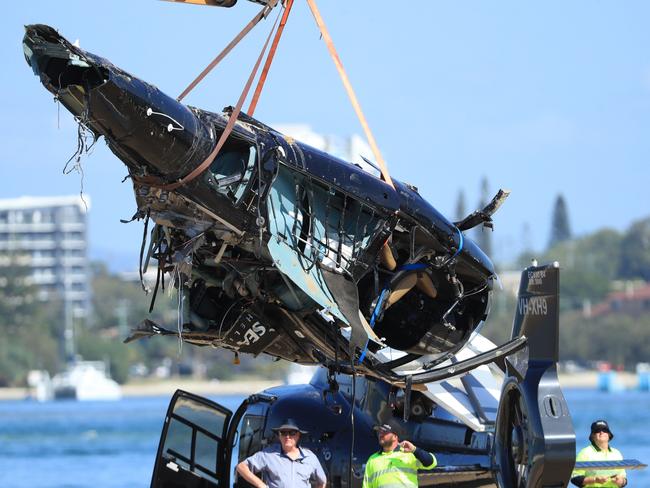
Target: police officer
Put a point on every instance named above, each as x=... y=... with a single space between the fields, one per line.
x=284 y=465
x=396 y=463
x=599 y=450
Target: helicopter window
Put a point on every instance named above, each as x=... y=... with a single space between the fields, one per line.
x=250 y=166
x=323 y=224
x=250 y=440
x=343 y=227
x=206 y=452
x=179 y=442
x=191 y=442
x=232 y=169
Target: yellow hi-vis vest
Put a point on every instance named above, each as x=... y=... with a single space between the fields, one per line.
x=590 y=453
x=393 y=469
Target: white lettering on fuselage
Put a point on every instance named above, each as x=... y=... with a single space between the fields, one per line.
x=253 y=334
x=533 y=306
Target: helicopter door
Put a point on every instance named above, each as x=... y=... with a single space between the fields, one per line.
x=193 y=450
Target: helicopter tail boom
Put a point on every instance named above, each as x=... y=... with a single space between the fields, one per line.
x=534 y=439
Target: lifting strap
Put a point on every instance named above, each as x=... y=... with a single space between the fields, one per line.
x=269 y=58
x=350 y=91
x=155 y=182
x=254 y=21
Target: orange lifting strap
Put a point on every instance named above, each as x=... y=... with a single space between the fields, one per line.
x=350 y=91
x=247 y=28
x=260 y=85
x=151 y=181
x=269 y=58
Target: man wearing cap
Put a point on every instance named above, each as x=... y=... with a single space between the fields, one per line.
x=285 y=464
x=599 y=450
x=396 y=463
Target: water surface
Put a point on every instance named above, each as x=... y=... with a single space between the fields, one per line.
x=113 y=444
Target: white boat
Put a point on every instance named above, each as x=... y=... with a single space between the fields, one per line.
x=40 y=385
x=86 y=381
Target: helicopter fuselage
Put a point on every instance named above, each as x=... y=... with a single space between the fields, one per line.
x=276 y=247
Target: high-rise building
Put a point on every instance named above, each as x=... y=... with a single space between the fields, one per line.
x=49 y=235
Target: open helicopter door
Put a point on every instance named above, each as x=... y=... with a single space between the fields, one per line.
x=193 y=450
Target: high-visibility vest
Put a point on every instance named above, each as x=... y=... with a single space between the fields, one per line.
x=591 y=453
x=393 y=469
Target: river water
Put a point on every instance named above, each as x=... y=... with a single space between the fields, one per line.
x=113 y=444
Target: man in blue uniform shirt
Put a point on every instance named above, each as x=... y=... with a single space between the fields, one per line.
x=285 y=464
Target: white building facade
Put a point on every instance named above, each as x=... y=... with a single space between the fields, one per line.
x=49 y=235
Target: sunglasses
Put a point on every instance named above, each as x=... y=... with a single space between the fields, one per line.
x=288 y=433
x=598 y=431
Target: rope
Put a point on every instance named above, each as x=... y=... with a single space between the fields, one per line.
x=261 y=15
x=350 y=91
x=269 y=59
x=226 y=132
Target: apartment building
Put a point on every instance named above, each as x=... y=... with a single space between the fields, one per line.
x=49 y=234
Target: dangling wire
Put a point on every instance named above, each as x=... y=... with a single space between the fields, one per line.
x=354 y=397
x=159 y=274
x=181 y=299
x=350 y=91
x=142 y=246
x=260 y=220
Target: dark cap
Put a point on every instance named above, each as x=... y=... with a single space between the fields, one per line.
x=289 y=424
x=601 y=425
x=386 y=428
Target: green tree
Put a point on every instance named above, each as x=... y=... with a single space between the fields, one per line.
x=121 y=305
x=460 y=206
x=617 y=338
x=118 y=307
x=589 y=264
x=635 y=251
x=560 y=229
x=484 y=234
x=28 y=326
x=498 y=327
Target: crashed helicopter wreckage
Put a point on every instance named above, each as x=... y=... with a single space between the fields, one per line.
x=278 y=247
x=281 y=249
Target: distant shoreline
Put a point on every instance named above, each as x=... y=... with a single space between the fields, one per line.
x=585 y=380
x=589 y=379
x=168 y=387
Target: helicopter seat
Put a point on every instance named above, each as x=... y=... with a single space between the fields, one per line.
x=406 y=283
x=418 y=278
x=406 y=278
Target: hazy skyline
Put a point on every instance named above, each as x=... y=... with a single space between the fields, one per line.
x=541 y=101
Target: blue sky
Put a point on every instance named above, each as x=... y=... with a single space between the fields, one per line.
x=541 y=98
